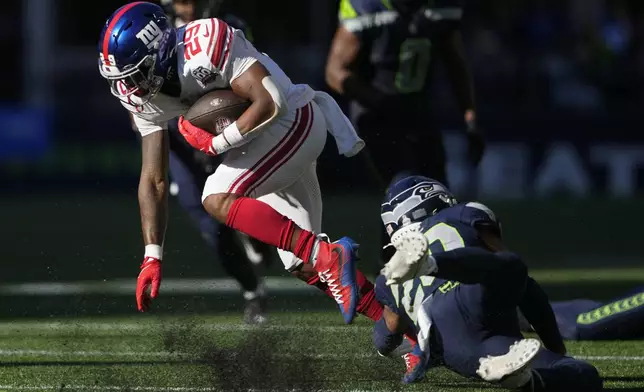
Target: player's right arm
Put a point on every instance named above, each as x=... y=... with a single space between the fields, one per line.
x=153 y=187
x=345 y=49
x=153 y=205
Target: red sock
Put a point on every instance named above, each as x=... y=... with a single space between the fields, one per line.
x=367 y=306
x=262 y=222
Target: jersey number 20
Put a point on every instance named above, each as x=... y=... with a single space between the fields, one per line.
x=443 y=237
x=413 y=65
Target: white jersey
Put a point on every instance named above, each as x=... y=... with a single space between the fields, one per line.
x=210 y=55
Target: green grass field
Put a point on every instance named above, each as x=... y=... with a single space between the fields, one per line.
x=298 y=350
x=68 y=320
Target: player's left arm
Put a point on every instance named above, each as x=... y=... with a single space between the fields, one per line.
x=453 y=54
x=535 y=305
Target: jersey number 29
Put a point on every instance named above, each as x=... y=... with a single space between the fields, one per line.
x=191 y=41
x=413 y=64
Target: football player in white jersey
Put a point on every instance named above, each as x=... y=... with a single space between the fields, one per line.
x=241 y=258
x=267 y=185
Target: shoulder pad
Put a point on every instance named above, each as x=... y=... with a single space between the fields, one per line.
x=207 y=44
x=475 y=213
x=350 y=9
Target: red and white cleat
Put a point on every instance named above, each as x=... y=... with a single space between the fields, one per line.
x=336 y=266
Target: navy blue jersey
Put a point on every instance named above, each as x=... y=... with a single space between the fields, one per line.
x=456 y=226
x=451 y=228
x=397 y=54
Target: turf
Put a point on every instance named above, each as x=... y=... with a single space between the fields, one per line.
x=298 y=350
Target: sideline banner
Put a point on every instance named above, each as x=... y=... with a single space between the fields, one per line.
x=549 y=168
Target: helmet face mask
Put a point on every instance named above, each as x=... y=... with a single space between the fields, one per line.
x=136 y=83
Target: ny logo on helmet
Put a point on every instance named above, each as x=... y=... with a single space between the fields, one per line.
x=150 y=35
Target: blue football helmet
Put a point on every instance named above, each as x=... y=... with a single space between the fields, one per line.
x=137 y=51
x=411 y=200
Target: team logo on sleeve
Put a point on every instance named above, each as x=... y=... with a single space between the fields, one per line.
x=203 y=75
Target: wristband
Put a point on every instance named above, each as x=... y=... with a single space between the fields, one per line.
x=233 y=136
x=155 y=251
x=229 y=138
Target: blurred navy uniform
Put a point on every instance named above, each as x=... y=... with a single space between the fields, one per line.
x=584 y=319
x=189 y=169
x=383 y=60
x=392 y=47
x=467 y=309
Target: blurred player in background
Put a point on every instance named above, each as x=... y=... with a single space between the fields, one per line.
x=382 y=59
x=266 y=185
x=240 y=256
x=462 y=299
x=584 y=319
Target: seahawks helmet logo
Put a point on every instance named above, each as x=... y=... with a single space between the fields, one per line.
x=424 y=191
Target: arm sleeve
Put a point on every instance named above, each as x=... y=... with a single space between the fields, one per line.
x=224 y=51
x=145 y=127
x=231 y=54
x=357 y=16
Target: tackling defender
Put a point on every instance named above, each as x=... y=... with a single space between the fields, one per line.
x=267 y=184
x=462 y=299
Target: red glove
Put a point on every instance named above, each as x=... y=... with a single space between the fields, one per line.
x=196 y=137
x=150 y=275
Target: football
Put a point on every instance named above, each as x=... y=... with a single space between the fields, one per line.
x=216 y=110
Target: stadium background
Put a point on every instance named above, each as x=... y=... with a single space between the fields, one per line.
x=559 y=91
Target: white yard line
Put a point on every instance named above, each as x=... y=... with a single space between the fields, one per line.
x=130 y=388
x=158 y=354
x=610 y=358
x=128 y=286
x=100 y=388
x=11 y=328
x=167 y=354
